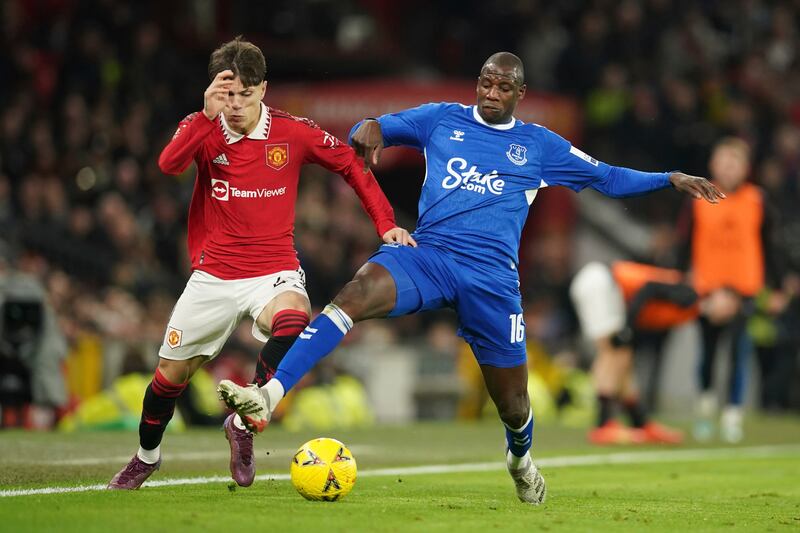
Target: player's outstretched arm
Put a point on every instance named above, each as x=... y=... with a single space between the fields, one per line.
x=367 y=141
x=696 y=186
x=564 y=164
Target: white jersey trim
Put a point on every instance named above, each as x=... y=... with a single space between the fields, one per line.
x=260 y=132
x=506 y=126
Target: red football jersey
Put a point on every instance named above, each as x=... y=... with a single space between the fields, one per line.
x=241 y=219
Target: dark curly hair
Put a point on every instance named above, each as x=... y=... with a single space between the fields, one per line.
x=243 y=58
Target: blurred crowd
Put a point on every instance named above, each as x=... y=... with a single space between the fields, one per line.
x=93 y=89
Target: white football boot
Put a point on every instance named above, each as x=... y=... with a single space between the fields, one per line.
x=251 y=405
x=530 y=484
x=730 y=426
x=705 y=412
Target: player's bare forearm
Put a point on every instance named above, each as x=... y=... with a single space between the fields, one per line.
x=696 y=186
x=368 y=142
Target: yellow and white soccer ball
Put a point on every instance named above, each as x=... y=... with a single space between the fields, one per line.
x=323 y=469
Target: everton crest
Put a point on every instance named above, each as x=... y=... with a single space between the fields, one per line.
x=517 y=154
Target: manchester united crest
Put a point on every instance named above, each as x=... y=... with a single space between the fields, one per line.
x=174 y=337
x=277 y=155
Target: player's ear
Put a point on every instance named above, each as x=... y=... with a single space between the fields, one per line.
x=521 y=91
x=263 y=88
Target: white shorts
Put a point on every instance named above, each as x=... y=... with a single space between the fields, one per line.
x=598 y=301
x=210 y=309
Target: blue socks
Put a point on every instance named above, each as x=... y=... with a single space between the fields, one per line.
x=319 y=339
x=742 y=349
x=519 y=441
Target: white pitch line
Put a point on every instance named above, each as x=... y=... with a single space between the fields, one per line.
x=177 y=456
x=662 y=456
x=180 y=456
x=644 y=457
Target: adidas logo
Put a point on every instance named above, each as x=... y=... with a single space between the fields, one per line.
x=521 y=441
x=221 y=159
x=310 y=331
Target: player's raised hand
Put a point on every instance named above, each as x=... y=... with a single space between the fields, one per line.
x=216 y=96
x=400 y=236
x=368 y=142
x=697 y=187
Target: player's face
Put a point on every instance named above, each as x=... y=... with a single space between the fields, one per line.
x=244 y=106
x=498 y=93
x=729 y=167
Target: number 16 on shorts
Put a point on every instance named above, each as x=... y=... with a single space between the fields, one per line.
x=517 y=328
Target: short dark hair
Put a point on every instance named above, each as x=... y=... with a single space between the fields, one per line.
x=243 y=58
x=509 y=61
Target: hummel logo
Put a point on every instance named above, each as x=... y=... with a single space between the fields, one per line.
x=458 y=135
x=221 y=159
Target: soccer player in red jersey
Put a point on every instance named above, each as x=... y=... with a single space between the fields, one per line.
x=240 y=239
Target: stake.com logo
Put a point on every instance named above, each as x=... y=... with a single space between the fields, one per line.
x=221 y=190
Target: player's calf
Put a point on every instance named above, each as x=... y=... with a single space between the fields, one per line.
x=519 y=441
x=527 y=478
x=158 y=407
x=287 y=324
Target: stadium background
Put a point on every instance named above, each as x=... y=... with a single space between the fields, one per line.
x=93 y=90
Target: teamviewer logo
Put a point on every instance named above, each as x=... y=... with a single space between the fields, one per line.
x=220 y=190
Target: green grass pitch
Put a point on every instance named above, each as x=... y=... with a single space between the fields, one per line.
x=754 y=486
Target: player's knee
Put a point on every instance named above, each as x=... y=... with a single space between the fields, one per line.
x=369 y=295
x=515 y=418
x=178 y=371
x=289 y=320
x=514 y=409
x=352 y=299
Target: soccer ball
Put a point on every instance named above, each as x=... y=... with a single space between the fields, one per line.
x=323 y=469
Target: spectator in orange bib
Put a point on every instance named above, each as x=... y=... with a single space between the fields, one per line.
x=729 y=246
x=614 y=305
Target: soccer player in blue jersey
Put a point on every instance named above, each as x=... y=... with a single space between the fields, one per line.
x=484 y=168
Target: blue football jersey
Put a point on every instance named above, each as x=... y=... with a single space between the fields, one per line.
x=481 y=178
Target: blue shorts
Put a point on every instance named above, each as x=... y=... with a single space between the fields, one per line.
x=488 y=303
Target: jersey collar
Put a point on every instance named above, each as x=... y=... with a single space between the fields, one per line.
x=260 y=132
x=507 y=126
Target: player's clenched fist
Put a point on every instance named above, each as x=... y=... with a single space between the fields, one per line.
x=216 y=96
x=368 y=142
